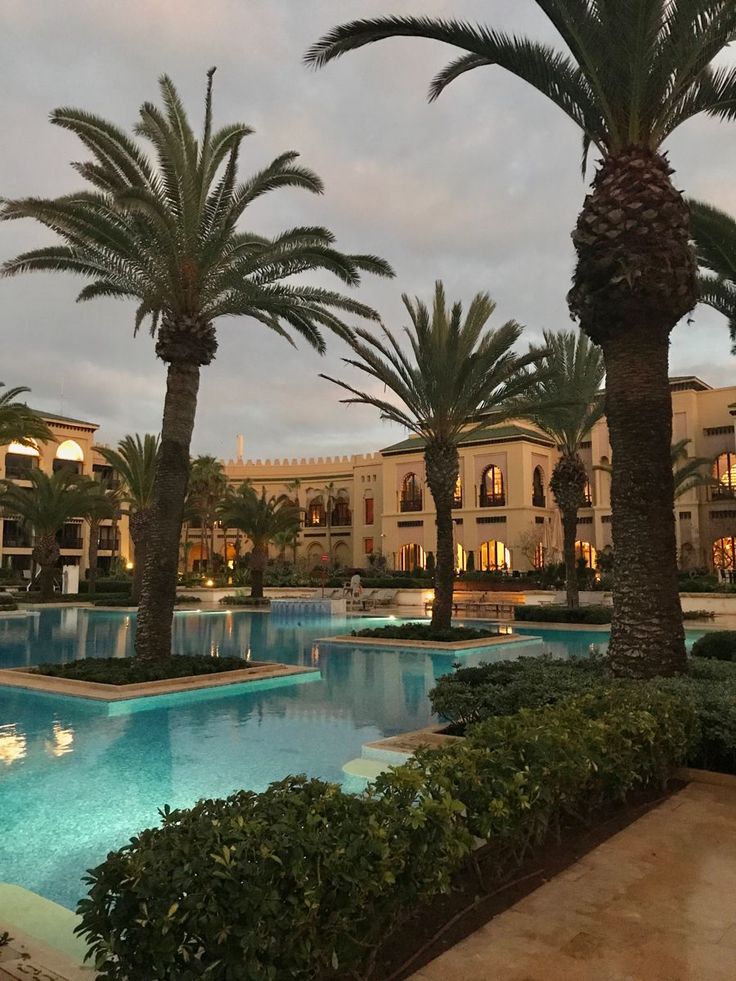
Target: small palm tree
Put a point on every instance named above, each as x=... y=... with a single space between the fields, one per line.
x=714 y=232
x=457 y=370
x=134 y=461
x=104 y=503
x=566 y=402
x=207 y=486
x=45 y=507
x=164 y=233
x=18 y=423
x=261 y=519
x=628 y=76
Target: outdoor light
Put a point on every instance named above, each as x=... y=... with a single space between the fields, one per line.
x=210 y=582
x=128 y=566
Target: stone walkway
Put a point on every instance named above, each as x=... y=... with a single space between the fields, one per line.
x=657 y=902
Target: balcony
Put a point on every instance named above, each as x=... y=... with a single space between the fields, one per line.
x=68 y=540
x=539 y=501
x=108 y=543
x=410 y=504
x=19 y=467
x=487 y=500
x=457 y=501
x=315 y=521
x=71 y=466
x=721 y=492
x=15 y=539
x=342 y=518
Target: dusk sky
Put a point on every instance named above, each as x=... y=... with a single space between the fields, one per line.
x=480 y=189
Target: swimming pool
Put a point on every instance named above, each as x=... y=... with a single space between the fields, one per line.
x=76 y=781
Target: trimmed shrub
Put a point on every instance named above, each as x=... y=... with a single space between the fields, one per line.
x=118 y=586
x=423 y=631
x=697 y=615
x=131 y=670
x=720 y=645
x=563 y=614
x=113 y=600
x=240 y=599
x=304 y=881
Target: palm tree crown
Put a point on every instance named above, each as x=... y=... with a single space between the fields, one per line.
x=134 y=461
x=714 y=232
x=18 y=423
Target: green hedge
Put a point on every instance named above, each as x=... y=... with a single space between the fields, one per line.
x=304 y=881
x=424 y=631
x=108 y=586
x=563 y=614
x=238 y=600
x=720 y=645
x=132 y=670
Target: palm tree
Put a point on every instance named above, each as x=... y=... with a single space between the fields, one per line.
x=688 y=472
x=457 y=371
x=164 y=232
x=714 y=232
x=207 y=485
x=628 y=79
x=261 y=519
x=566 y=403
x=45 y=507
x=18 y=423
x=134 y=461
x=104 y=502
x=287 y=539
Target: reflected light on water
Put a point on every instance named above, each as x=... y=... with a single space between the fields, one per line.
x=13 y=744
x=62 y=741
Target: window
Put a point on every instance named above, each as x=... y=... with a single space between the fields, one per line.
x=587 y=494
x=492 y=492
x=586 y=552
x=457 y=500
x=20 y=459
x=724 y=472
x=316 y=517
x=538 y=561
x=16 y=534
x=368 y=504
x=495 y=557
x=368 y=546
x=411 y=494
x=69 y=456
x=724 y=553
x=341 y=516
x=538 y=500
x=411 y=557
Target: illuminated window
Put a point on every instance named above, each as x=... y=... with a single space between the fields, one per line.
x=457 y=499
x=69 y=456
x=724 y=471
x=368 y=546
x=539 y=551
x=538 y=500
x=368 y=504
x=492 y=492
x=19 y=459
x=316 y=517
x=495 y=557
x=584 y=550
x=411 y=557
x=724 y=553
x=587 y=494
x=411 y=494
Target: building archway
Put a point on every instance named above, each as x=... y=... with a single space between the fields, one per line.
x=724 y=472
x=538 y=498
x=69 y=456
x=495 y=557
x=411 y=557
x=341 y=555
x=587 y=552
x=724 y=553
x=411 y=493
x=492 y=487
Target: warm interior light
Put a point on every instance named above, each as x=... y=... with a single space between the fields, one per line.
x=128 y=566
x=70 y=450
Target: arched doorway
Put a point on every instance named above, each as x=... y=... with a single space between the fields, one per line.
x=411 y=557
x=495 y=557
x=587 y=552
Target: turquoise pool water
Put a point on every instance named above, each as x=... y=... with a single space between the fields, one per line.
x=77 y=779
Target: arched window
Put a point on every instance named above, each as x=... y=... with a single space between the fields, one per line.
x=584 y=550
x=316 y=517
x=411 y=494
x=495 y=557
x=19 y=459
x=587 y=494
x=724 y=553
x=341 y=514
x=411 y=557
x=724 y=471
x=539 y=556
x=69 y=456
x=492 y=491
x=538 y=500
x=461 y=558
x=457 y=499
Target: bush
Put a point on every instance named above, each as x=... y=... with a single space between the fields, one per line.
x=118 y=586
x=113 y=600
x=304 y=881
x=423 y=631
x=133 y=671
x=697 y=615
x=720 y=645
x=472 y=694
x=563 y=614
x=240 y=599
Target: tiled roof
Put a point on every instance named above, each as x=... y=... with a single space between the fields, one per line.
x=472 y=437
x=57 y=417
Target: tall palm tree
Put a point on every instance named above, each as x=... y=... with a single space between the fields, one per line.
x=207 y=486
x=45 y=507
x=164 y=232
x=104 y=502
x=18 y=423
x=261 y=519
x=457 y=370
x=134 y=461
x=714 y=232
x=633 y=71
x=566 y=402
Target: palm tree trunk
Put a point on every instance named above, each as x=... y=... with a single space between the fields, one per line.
x=258 y=558
x=94 y=532
x=158 y=592
x=647 y=636
x=46 y=554
x=569 y=537
x=443 y=465
x=210 y=564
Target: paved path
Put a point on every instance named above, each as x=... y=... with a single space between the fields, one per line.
x=657 y=902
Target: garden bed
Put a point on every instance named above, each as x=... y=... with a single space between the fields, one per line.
x=423 y=636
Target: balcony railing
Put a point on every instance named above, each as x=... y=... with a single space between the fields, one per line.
x=492 y=500
x=342 y=518
x=15 y=471
x=69 y=541
x=16 y=540
x=457 y=501
x=315 y=521
x=410 y=504
x=108 y=543
x=539 y=501
x=722 y=493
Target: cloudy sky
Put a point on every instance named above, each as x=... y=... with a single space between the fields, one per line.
x=480 y=189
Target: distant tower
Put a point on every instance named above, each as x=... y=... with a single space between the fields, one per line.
x=240 y=445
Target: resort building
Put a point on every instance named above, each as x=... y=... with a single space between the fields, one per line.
x=357 y=507
x=74 y=448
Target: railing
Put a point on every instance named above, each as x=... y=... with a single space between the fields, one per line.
x=457 y=501
x=722 y=493
x=108 y=543
x=410 y=504
x=69 y=541
x=342 y=519
x=492 y=500
x=315 y=522
x=71 y=465
x=15 y=472
x=539 y=501
x=11 y=540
